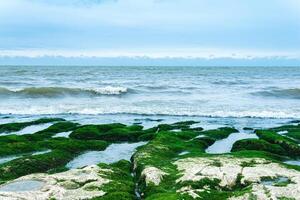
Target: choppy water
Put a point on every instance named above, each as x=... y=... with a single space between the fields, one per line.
x=268 y=92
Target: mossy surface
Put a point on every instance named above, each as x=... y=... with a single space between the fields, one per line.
x=63 y=151
x=114 y=133
x=289 y=145
x=293 y=131
x=121 y=185
x=161 y=153
x=11 y=127
x=220 y=133
x=58 y=128
x=259 y=145
x=167 y=144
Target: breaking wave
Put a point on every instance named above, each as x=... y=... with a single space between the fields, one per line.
x=293 y=93
x=52 y=92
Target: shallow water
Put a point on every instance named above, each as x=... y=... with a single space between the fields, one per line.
x=282 y=132
x=225 y=145
x=22 y=186
x=41 y=152
x=293 y=162
x=111 y=154
x=7 y=159
x=31 y=129
x=275 y=181
x=63 y=134
x=183 y=153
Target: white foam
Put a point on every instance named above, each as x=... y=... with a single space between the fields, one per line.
x=109 y=90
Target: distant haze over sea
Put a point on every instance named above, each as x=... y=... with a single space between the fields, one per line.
x=148 y=61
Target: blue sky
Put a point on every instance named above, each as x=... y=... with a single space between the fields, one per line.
x=153 y=28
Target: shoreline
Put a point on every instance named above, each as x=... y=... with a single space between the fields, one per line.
x=166 y=163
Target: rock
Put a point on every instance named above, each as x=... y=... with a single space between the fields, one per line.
x=153 y=175
x=233 y=171
x=74 y=184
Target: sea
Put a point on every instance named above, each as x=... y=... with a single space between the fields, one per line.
x=214 y=96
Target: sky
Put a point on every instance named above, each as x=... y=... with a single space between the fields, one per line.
x=156 y=29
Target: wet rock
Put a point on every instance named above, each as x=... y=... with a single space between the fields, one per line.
x=70 y=185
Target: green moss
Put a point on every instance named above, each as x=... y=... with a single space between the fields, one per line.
x=58 y=128
x=63 y=150
x=285 y=198
x=293 y=131
x=74 y=146
x=161 y=152
x=116 y=196
x=287 y=144
x=219 y=133
x=22 y=145
x=108 y=132
x=168 y=196
x=257 y=144
x=12 y=127
x=19 y=147
x=34 y=164
x=121 y=185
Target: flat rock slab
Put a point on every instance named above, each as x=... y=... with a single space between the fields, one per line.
x=75 y=184
x=252 y=171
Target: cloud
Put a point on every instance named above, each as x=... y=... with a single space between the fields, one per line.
x=271 y=26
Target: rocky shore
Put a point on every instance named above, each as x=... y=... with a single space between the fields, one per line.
x=165 y=162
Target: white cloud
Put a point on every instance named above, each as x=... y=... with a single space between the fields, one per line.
x=151 y=27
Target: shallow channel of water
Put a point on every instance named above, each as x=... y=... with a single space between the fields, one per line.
x=111 y=154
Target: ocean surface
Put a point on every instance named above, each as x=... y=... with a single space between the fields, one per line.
x=105 y=94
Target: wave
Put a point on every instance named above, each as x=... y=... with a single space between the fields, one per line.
x=85 y=110
x=293 y=93
x=51 y=92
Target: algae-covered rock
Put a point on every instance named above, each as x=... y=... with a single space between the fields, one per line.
x=220 y=133
x=58 y=128
x=10 y=127
x=259 y=145
x=108 y=132
x=290 y=146
x=63 y=151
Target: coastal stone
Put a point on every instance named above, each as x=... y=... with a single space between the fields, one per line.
x=233 y=171
x=153 y=175
x=74 y=184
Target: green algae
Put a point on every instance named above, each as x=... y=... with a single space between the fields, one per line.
x=112 y=133
x=58 y=128
x=290 y=146
x=163 y=149
x=63 y=151
x=219 y=133
x=121 y=185
x=11 y=127
x=259 y=145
